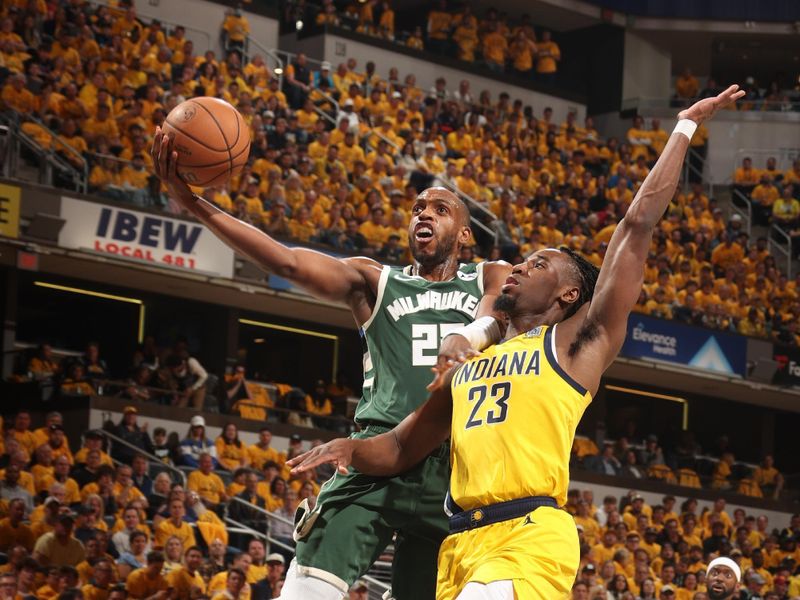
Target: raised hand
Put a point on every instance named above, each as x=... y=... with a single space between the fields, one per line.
x=704 y=109
x=164 y=160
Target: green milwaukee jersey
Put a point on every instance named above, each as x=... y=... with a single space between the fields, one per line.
x=402 y=336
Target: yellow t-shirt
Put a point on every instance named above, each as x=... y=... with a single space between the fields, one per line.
x=548 y=54
x=183 y=581
x=208 y=486
x=140 y=586
x=166 y=530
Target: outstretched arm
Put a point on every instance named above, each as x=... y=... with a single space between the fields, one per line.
x=395 y=451
x=320 y=274
x=622 y=273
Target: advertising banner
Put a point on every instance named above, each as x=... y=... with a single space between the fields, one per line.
x=144 y=237
x=788 y=359
x=9 y=210
x=696 y=347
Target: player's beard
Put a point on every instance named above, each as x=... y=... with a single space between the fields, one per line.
x=445 y=248
x=505 y=303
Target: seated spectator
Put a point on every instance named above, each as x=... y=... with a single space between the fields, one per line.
x=160 y=448
x=58 y=444
x=10 y=488
x=25 y=480
x=235 y=585
x=136 y=555
x=207 y=483
x=43 y=433
x=76 y=382
x=93 y=440
x=94 y=366
x=148 y=581
x=238 y=509
x=102 y=579
x=140 y=477
x=606 y=462
x=130 y=432
x=262 y=452
x=195 y=444
x=132 y=521
x=239 y=566
x=12 y=529
x=786 y=210
x=231 y=453
x=22 y=433
x=186 y=581
x=686 y=85
x=176 y=525
x=59 y=548
x=61 y=476
x=188 y=378
x=768 y=477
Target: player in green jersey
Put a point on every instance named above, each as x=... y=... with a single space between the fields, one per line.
x=403 y=315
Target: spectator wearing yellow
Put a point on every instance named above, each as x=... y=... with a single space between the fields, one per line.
x=187 y=581
x=728 y=253
x=495 y=50
x=318 y=403
x=148 y=581
x=764 y=196
x=240 y=566
x=262 y=451
x=206 y=483
x=438 y=29
x=102 y=126
x=375 y=230
x=16 y=96
x=21 y=431
x=786 y=209
x=522 y=52
x=174 y=526
x=466 y=38
x=301 y=226
x=231 y=453
x=686 y=85
x=236 y=28
x=548 y=55
x=13 y=531
x=658 y=306
x=768 y=477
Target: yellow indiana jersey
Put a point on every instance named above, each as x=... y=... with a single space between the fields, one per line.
x=515 y=411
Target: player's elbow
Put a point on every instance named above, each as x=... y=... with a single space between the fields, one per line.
x=637 y=220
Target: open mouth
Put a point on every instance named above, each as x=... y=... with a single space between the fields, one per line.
x=510 y=283
x=423 y=233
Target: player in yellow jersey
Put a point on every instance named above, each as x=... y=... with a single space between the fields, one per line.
x=511 y=412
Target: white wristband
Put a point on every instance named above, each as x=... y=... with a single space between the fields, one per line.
x=687 y=127
x=481 y=333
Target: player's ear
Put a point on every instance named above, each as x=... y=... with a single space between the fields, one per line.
x=464 y=236
x=570 y=294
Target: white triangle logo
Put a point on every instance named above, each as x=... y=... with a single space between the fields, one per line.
x=711 y=358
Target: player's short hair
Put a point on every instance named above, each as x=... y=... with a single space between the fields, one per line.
x=586 y=274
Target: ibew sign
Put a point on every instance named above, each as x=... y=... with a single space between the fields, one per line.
x=139 y=236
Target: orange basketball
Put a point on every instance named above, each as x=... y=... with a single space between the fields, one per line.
x=211 y=138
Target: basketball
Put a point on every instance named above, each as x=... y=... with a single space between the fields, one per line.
x=211 y=138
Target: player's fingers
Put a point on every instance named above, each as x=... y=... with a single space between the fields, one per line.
x=342 y=469
x=154 y=149
x=298 y=459
x=163 y=155
x=436 y=383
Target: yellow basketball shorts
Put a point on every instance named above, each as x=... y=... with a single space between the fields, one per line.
x=539 y=552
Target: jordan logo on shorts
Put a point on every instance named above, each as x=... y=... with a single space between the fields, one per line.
x=528 y=520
